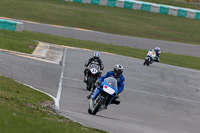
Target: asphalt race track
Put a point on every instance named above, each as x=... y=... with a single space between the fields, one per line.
x=141 y=43
x=157 y=99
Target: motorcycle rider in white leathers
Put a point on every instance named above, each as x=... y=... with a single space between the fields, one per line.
x=158 y=52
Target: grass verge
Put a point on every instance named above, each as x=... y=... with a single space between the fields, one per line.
x=167 y=58
x=17 y=44
x=105 y=19
x=22 y=110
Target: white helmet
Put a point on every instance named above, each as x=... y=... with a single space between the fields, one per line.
x=118 y=70
x=96 y=55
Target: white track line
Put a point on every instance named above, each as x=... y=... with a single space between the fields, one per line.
x=176 y=98
x=39 y=91
x=57 y=100
x=35 y=89
x=73 y=79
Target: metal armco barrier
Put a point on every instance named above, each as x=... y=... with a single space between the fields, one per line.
x=146 y=6
x=11 y=25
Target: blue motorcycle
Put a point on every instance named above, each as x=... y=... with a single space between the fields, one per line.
x=103 y=95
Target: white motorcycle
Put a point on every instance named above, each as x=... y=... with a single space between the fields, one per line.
x=150 y=56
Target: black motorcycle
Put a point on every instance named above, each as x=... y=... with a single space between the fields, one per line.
x=93 y=73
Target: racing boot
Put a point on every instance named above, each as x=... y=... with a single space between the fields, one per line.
x=85 y=75
x=85 y=79
x=105 y=107
x=156 y=60
x=116 y=100
x=89 y=96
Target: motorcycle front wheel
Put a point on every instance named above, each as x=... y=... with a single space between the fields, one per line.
x=97 y=106
x=146 y=62
x=91 y=81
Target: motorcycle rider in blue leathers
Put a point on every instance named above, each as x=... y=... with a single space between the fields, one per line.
x=117 y=74
x=158 y=52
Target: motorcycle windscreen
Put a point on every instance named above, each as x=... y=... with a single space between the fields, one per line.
x=94 y=66
x=111 y=85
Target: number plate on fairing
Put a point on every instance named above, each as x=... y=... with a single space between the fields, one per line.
x=108 y=89
x=93 y=70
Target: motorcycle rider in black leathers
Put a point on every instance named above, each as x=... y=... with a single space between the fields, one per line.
x=93 y=60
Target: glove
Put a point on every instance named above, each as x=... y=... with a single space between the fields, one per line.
x=98 y=83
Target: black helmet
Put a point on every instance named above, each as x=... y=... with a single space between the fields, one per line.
x=96 y=55
x=118 y=70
